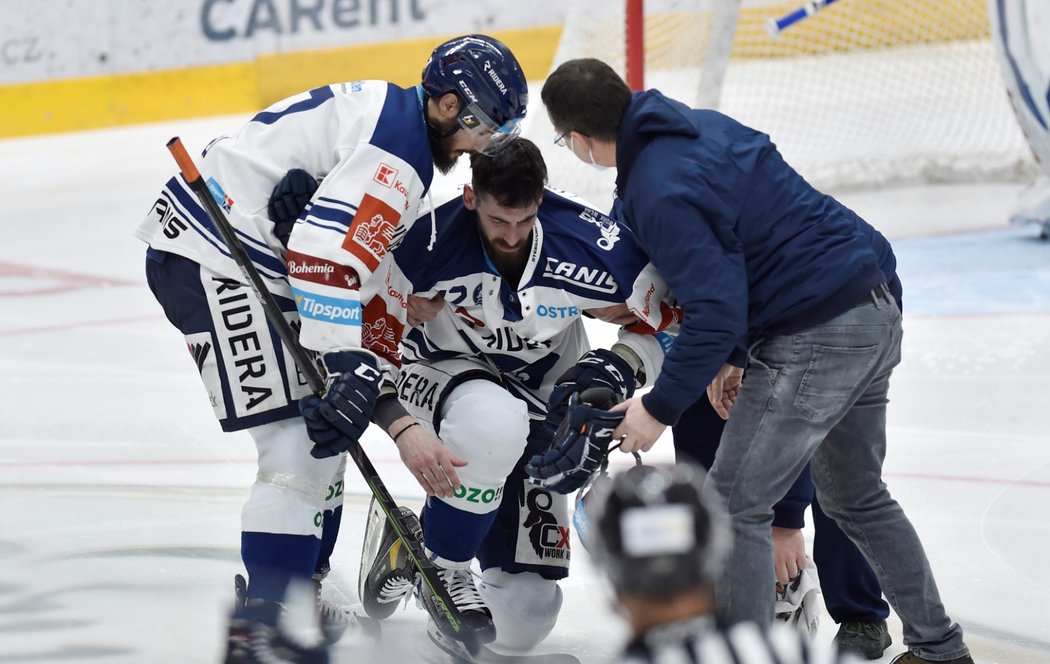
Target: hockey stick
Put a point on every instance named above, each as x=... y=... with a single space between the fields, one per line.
x=775 y=26
x=427 y=569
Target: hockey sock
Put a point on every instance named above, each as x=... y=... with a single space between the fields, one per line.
x=454 y=534
x=329 y=533
x=274 y=560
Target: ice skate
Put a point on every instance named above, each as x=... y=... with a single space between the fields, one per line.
x=387 y=571
x=256 y=638
x=476 y=627
x=451 y=650
x=334 y=620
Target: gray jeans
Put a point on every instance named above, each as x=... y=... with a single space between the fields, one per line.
x=820 y=396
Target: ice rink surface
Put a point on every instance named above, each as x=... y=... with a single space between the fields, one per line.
x=120 y=497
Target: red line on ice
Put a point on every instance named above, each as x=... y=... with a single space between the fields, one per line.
x=70 y=326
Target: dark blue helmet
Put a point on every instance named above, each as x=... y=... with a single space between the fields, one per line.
x=488 y=80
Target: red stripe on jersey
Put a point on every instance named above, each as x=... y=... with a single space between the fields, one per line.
x=371 y=232
x=321 y=271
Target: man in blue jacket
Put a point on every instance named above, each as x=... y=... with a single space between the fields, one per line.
x=848 y=584
x=779 y=277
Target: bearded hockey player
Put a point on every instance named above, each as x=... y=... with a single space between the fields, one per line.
x=517 y=265
x=376 y=146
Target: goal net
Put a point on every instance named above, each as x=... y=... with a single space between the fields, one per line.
x=864 y=93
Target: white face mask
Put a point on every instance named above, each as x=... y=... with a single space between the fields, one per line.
x=590 y=155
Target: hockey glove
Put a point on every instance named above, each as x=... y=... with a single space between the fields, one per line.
x=581 y=445
x=288 y=200
x=597 y=368
x=336 y=421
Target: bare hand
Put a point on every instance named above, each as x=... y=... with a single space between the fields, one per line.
x=639 y=430
x=421 y=309
x=789 y=553
x=430 y=462
x=724 y=389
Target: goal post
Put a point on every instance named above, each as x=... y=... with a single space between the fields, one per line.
x=863 y=93
x=634 y=44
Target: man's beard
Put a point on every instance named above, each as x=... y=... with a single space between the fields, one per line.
x=445 y=157
x=511 y=265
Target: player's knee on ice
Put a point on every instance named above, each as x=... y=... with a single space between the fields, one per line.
x=524 y=606
x=482 y=423
x=291 y=487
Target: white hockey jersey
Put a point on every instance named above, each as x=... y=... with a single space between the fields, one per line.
x=579 y=259
x=368 y=141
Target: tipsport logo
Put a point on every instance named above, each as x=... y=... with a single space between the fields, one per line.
x=327 y=309
x=224 y=201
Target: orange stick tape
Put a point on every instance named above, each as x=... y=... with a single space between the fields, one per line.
x=182 y=158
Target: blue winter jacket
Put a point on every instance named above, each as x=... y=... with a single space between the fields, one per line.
x=747 y=246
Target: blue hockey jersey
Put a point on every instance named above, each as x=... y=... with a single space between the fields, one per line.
x=579 y=259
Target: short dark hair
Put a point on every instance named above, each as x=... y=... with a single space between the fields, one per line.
x=588 y=96
x=514 y=176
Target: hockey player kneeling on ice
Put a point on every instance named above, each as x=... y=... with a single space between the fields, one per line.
x=662 y=539
x=523 y=552
x=483 y=423
x=516 y=264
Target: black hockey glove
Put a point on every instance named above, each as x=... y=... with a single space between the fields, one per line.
x=336 y=421
x=581 y=445
x=597 y=368
x=288 y=200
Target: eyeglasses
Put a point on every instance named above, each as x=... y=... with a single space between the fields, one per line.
x=560 y=140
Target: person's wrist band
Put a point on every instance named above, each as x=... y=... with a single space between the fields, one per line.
x=398 y=434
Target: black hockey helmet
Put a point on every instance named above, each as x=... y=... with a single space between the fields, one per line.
x=658 y=531
x=487 y=78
